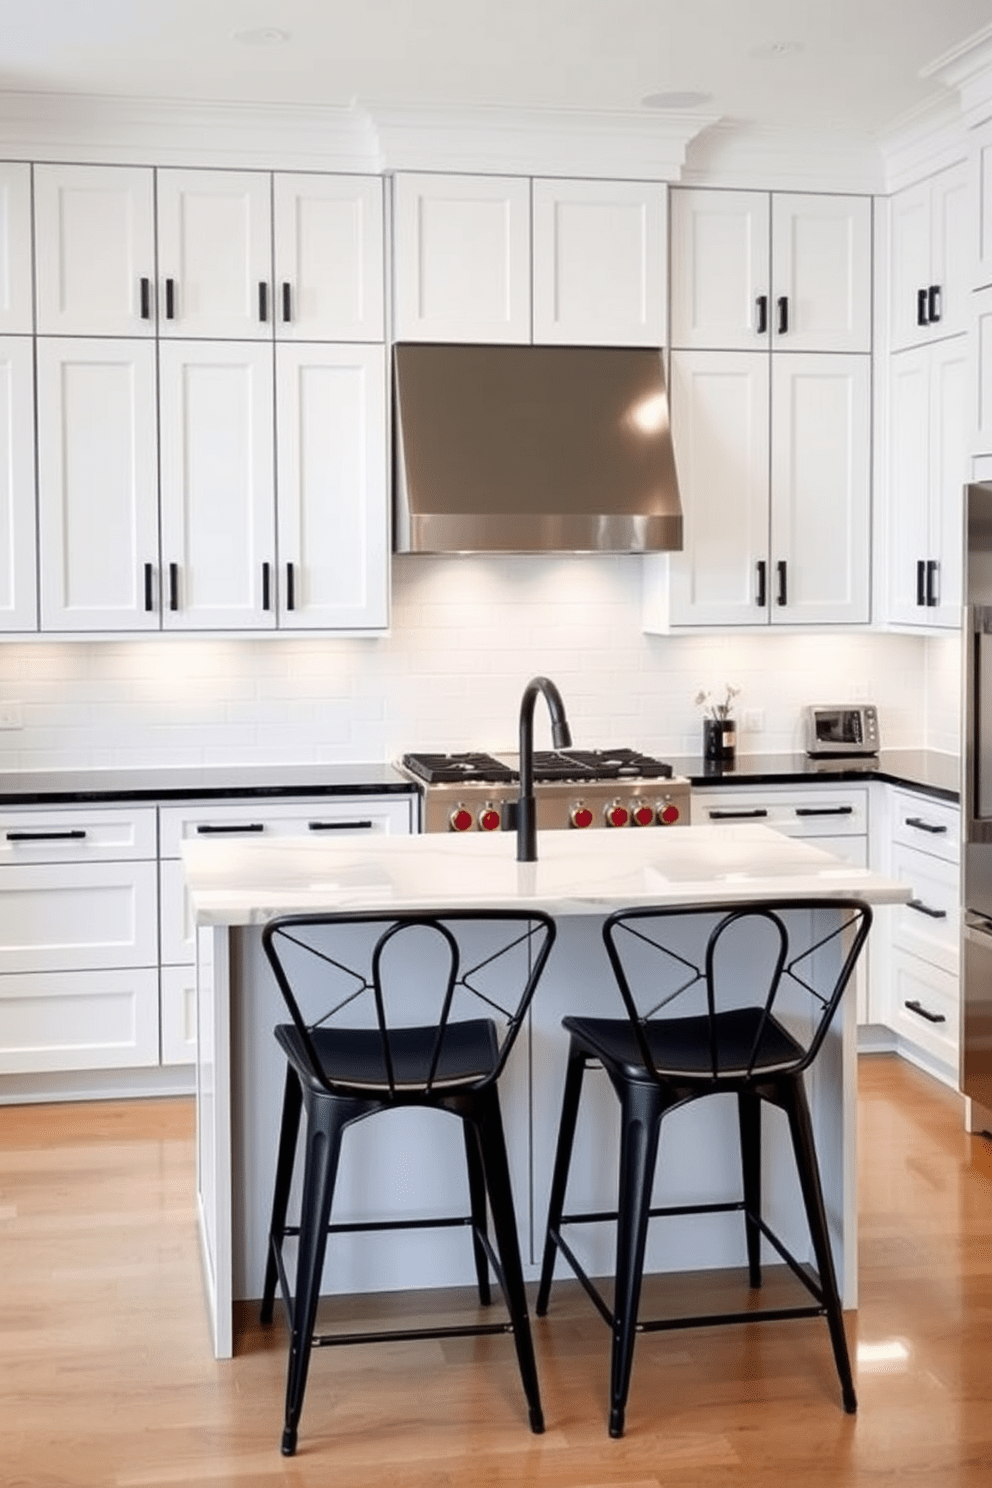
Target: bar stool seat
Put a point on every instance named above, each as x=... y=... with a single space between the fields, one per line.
x=378 y=1006
x=719 y=999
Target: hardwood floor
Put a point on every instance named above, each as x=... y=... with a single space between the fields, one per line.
x=106 y=1376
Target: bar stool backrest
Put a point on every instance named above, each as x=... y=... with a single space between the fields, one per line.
x=744 y=989
x=413 y=983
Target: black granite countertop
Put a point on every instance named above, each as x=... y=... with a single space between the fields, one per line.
x=927 y=770
x=206 y=782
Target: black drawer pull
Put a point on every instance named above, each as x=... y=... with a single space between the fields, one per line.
x=824 y=810
x=921 y=582
x=170 y=299
x=782 y=597
x=74 y=834
x=718 y=813
x=933 y=304
x=761 y=305
x=783 y=314
x=922 y=1012
x=924 y=826
x=290 y=587
x=266 y=586
x=921 y=307
x=761 y=598
x=149 y=592
x=173 y=586
x=933 y=590
x=287 y=308
x=263 y=300
x=215 y=829
x=926 y=909
x=339 y=826
x=146 y=299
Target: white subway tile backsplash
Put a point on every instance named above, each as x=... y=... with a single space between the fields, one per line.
x=466 y=635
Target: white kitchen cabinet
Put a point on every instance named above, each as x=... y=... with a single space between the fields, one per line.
x=97 y=484
x=95 y=250
x=928 y=439
x=462 y=264
x=18 y=602
x=931 y=259
x=599 y=252
x=332 y=483
x=16 y=312
x=78 y=940
x=774 y=466
x=215 y=254
x=787 y=270
x=329 y=257
x=217 y=485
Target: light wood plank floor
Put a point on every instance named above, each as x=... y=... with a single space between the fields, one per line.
x=106 y=1376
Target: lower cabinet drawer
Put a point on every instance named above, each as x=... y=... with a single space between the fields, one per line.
x=78 y=916
x=78 y=1020
x=929 y=925
x=926 y=1006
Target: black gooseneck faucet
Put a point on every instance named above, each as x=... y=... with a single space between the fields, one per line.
x=525 y=806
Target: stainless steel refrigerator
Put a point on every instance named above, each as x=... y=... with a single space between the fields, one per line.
x=976 y=798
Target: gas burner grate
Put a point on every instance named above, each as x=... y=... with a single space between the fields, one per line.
x=615 y=764
x=445 y=769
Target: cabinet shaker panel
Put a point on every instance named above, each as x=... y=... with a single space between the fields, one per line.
x=329 y=265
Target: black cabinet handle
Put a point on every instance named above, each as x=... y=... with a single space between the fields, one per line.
x=922 y=1012
x=824 y=810
x=783 y=314
x=170 y=299
x=339 y=826
x=921 y=307
x=926 y=909
x=933 y=828
x=266 y=586
x=921 y=582
x=218 y=829
x=290 y=587
x=933 y=594
x=263 y=300
x=173 y=586
x=146 y=299
x=720 y=813
x=287 y=306
x=761 y=306
x=149 y=596
x=781 y=597
x=761 y=598
x=73 y=834
x=933 y=304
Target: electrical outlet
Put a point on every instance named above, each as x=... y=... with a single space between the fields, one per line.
x=753 y=720
x=11 y=715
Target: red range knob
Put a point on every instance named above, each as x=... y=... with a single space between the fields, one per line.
x=580 y=816
x=460 y=819
x=616 y=815
x=669 y=814
x=489 y=819
x=642 y=815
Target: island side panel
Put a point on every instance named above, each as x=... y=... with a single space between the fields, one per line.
x=213 y=1129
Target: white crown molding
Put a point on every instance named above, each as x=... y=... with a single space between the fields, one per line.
x=968 y=69
x=633 y=145
x=923 y=142
x=752 y=158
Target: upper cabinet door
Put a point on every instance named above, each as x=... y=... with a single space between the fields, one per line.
x=332 y=487
x=720 y=269
x=821 y=273
x=931 y=259
x=599 y=263
x=215 y=254
x=329 y=266
x=18 y=608
x=462 y=259
x=97 y=484
x=218 y=500
x=95 y=250
x=16 y=316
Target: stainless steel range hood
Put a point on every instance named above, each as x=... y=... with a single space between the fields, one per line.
x=533 y=449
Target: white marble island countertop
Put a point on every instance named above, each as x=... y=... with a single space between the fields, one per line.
x=246 y=883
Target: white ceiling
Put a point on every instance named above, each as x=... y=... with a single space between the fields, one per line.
x=850 y=67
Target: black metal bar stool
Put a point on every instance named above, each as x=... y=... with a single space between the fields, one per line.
x=378 y=1004
x=724 y=998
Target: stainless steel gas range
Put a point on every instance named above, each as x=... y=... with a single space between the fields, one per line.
x=574 y=788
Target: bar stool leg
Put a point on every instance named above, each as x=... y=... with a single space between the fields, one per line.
x=288 y=1133
x=477 y=1198
x=497 y=1173
x=801 y=1127
x=559 y=1179
x=325 y=1123
x=749 y=1113
x=642 y=1110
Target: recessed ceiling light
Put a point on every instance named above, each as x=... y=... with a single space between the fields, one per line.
x=676 y=100
x=771 y=51
x=261 y=36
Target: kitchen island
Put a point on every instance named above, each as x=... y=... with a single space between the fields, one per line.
x=236 y=887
